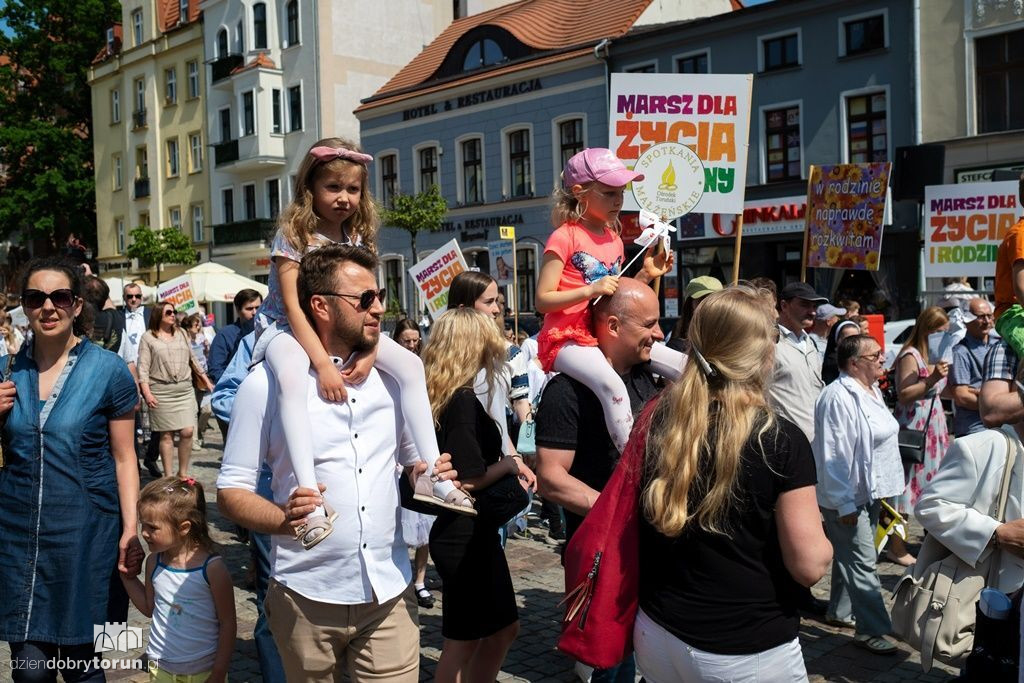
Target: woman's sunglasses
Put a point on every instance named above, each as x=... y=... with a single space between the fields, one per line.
x=61 y=298
x=169 y=311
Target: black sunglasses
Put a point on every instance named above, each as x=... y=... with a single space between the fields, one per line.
x=61 y=298
x=169 y=311
x=132 y=296
x=365 y=298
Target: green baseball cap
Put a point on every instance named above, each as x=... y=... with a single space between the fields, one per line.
x=701 y=286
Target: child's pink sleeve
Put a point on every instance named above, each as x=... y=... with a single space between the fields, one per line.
x=560 y=244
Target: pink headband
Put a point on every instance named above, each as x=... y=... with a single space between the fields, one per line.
x=324 y=154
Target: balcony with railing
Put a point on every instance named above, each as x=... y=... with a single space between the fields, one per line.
x=225 y=152
x=222 y=68
x=255 y=230
x=141 y=188
x=139 y=118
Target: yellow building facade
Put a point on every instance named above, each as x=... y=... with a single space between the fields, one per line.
x=149 y=137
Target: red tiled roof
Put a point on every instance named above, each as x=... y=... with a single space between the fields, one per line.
x=540 y=24
x=261 y=60
x=169 y=13
x=106 y=52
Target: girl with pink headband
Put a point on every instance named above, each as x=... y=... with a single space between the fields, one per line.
x=332 y=205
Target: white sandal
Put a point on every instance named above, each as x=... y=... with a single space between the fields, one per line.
x=316 y=529
x=456 y=501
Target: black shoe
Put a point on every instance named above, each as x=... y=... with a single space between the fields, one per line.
x=424 y=598
x=152 y=468
x=556 y=533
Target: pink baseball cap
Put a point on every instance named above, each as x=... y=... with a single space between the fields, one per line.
x=597 y=164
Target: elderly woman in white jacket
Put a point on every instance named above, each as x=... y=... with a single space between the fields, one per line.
x=856 y=450
x=958 y=503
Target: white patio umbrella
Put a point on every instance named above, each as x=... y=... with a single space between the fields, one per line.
x=117 y=284
x=214 y=282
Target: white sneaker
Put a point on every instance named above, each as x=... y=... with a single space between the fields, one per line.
x=583 y=672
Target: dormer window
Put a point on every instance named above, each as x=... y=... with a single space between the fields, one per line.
x=482 y=53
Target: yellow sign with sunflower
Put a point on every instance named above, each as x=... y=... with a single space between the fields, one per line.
x=845 y=215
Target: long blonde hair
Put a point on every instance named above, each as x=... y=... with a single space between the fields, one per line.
x=298 y=221
x=569 y=208
x=462 y=342
x=930 y=320
x=701 y=424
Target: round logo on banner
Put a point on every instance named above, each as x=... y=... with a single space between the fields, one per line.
x=673 y=180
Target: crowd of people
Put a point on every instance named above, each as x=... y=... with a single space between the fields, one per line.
x=353 y=457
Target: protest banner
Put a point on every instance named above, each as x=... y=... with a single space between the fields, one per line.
x=434 y=274
x=964 y=225
x=180 y=294
x=500 y=253
x=709 y=113
x=844 y=216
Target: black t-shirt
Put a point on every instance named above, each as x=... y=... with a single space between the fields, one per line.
x=732 y=595
x=570 y=418
x=108 y=328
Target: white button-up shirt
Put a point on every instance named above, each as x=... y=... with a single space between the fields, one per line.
x=856 y=447
x=358 y=446
x=134 y=328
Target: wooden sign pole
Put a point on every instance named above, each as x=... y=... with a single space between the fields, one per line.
x=807 y=219
x=736 y=250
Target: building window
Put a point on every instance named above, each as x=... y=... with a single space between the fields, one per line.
x=519 y=163
x=225 y=124
x=222 y=44
x=292 y=21
x=175 y=215
x=249 y=198
x=170 y=86
x=866 y=128
x=120 y=235
x=259 y=26
x=195 y=147
x=137 y=27
x=144 y=219
x=197 y=223
x=782 y=144
x=182 y=11
x=275 y=106
x=295 y=108
x=781 y=52
x=864 y=34
x=118 y=174
x=273 y=197
x=227 y=201
x=693 y=64
x=115 y=106
x=193 y=79
x=393 y=281
x=570 y=139
x=141 y=163
x=248 y=114
x=388 y=178
x=428 y=168
x=1000 y=78
x=482 y=53
x=526 y=267
x=140 y=96
x=240 y=32
x=472 y=171
x=645 y=68
x=172 y=158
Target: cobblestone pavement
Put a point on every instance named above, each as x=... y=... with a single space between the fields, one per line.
x=829 y=652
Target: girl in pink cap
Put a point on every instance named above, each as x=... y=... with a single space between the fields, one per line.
x=583 y=259
x=333 y=205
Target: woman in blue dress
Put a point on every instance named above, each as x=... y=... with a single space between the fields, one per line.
x=68 y=488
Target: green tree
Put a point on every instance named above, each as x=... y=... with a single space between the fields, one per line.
x=46 y=115
x=416 y=213
x=158 y=247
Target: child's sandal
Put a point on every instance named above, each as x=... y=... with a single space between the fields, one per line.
x=317 y=529
x=456 y=501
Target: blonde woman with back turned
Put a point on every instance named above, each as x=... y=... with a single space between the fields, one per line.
x=729 y=524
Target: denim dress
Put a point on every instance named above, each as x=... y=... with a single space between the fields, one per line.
x=58 y=498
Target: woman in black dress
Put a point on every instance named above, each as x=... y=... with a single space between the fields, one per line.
x=479 y=617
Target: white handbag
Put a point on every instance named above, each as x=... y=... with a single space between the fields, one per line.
x=933 y=604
